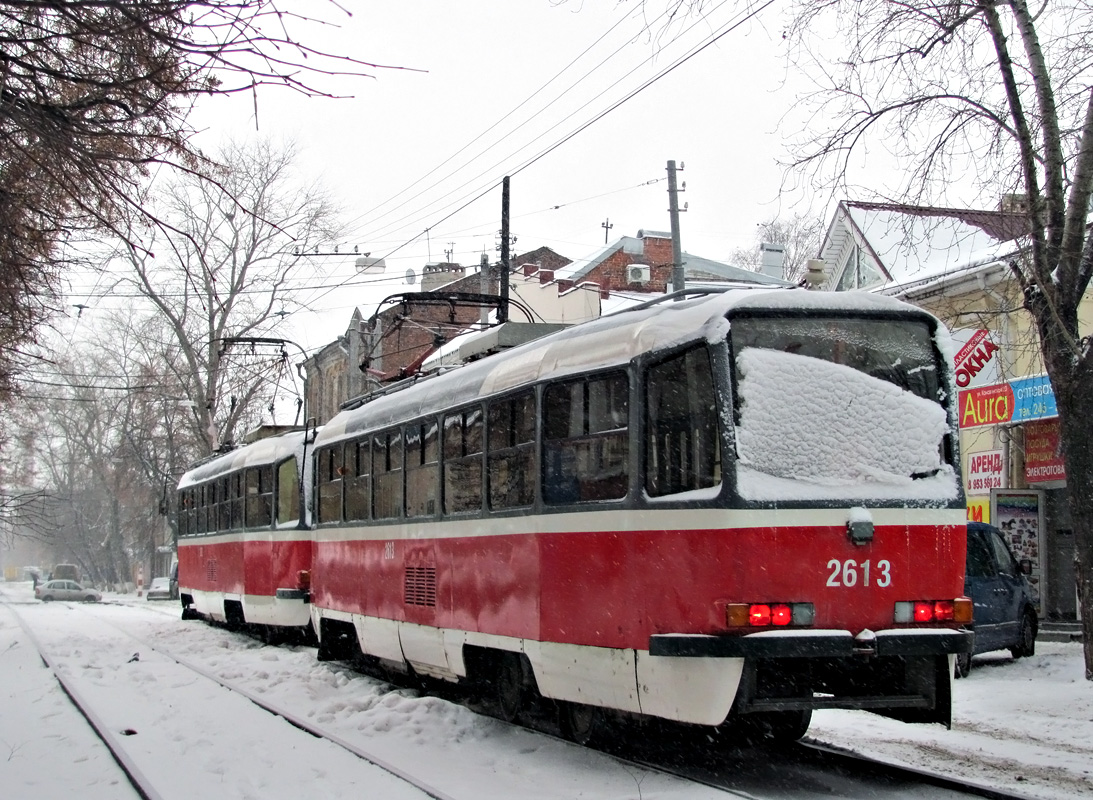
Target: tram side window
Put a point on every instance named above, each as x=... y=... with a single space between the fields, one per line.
x=288 y=491
x=328 y=476
x=186 y=526
x=683 y=450
x=358 y=480
x=223 y=505
x=259 y=483
x=422 y=462
x=387 y=475
x=586 y=441
x=510 y=462
x=463 y=461
x=203 y=508
x=238 y=498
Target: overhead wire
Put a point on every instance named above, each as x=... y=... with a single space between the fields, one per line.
x=713 y=38
x=423 y=214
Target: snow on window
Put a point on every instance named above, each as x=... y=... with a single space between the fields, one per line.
x=809 y=428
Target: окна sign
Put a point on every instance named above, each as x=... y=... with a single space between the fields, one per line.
x=973 y=359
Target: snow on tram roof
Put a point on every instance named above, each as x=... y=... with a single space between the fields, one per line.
x=601 y=343
x=256 y=454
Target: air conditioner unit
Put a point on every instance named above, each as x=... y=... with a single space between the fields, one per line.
x=637 y=274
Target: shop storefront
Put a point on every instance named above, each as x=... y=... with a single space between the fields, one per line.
x=1014 y=478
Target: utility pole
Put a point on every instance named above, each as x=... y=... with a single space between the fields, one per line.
x=606 y=225
x=673 y=212
x=484 y=285
x=503 y=311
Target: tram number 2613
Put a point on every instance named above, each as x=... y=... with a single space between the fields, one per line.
x=851 y=573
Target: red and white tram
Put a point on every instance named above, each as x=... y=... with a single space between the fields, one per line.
x=738 y=505
x=244 y=548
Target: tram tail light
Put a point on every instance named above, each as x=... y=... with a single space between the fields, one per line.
x=303 y=580
x=765 y=615
x=910 y=611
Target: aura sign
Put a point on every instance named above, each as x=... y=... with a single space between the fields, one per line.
x=1019 y=400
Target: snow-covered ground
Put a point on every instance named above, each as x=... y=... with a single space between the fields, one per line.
x=1024 y=726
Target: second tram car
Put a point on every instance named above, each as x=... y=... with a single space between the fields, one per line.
x=743 y=505
x=244 y=546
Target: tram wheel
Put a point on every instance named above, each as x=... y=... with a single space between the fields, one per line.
x=781 y=726
x=510 y=686
x=582 y=724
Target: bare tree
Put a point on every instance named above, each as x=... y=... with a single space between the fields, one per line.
x=220 y=267
x=990 y=92
x=800 y=237
x=94 y=95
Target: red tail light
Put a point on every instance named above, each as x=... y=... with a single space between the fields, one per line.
x=908 y=611
x=759 y=614
x=781 y=615
x=762 y=615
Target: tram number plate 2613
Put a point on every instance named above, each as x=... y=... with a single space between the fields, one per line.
x=850 y=573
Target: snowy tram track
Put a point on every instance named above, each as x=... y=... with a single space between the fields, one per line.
x=162 y=753
x=122 y=659
x=450 y=746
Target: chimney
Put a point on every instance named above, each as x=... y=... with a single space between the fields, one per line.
x=771 y=258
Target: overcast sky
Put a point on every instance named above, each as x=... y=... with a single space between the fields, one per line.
x=501 y=89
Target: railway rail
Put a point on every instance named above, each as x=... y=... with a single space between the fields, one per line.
x=800 y=771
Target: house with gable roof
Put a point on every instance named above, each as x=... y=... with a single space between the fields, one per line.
x=643 y=263
x=955 y=264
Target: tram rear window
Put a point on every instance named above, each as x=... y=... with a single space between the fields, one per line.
x=900 y=351
x=838 y=408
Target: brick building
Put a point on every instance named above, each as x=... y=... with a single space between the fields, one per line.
x=644 y=264
x=402 y=335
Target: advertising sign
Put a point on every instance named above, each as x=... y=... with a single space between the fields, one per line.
x=1034 y=398
x=1019 y=400
x=1018 y=513
x=979 y=509
x=975 y=362
x=1043 y=455
x=985 y=470
x=986 y=405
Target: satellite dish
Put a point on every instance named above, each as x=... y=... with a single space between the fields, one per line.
x=411 y=277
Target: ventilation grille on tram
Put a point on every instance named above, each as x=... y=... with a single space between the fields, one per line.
x=420 y=586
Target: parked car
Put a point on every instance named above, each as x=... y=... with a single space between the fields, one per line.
x=1004 y=605
x=66 y=590
x=160 y=589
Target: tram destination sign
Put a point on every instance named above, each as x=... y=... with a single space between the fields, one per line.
x=1019 y=400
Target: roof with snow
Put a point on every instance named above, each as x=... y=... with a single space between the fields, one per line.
x=912 y=244
x=694 y=267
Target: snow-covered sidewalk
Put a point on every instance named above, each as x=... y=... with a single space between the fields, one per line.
x=1024 y=726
